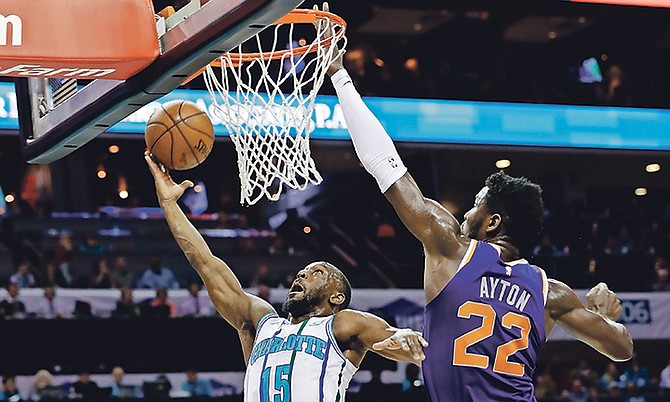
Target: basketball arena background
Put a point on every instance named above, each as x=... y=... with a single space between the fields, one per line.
x=573 y=96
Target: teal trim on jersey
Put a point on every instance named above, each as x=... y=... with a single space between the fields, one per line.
x=290 y=372
x=339 y=381
x=264 y=318
x=331 y=335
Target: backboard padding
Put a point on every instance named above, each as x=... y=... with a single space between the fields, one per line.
x=216 y=28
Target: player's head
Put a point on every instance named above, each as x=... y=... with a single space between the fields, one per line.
x=506 y=206
x=318 y=286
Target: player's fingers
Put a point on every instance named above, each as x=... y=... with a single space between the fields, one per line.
x=385 y=344
x=417 y=352
x=423 y=341
x=186 y=184
x=152 y=165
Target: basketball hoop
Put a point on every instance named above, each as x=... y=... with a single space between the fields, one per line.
x=265 y=97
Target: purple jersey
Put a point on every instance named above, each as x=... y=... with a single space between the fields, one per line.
x=485 y=329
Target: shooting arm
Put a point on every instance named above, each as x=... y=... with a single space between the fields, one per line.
x=239 y=308
x=598 y=331
x=233 y=303
x=429 y=221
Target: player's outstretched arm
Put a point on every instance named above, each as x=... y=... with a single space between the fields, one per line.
x=595 y=325
x=239 y=308
x=429 y=221
x=357 y=332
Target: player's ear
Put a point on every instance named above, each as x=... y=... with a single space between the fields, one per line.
x=495 y=224
x=337 y=299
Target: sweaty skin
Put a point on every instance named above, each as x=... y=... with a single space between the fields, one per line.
x=356 y=332
x=445 y=242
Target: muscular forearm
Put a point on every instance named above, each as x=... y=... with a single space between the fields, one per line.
x=187 y=236
x=373 y=145
x=617 y=344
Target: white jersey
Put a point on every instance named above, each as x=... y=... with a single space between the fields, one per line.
x=296 y=362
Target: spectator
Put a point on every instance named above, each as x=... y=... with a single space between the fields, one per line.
x=664 y=383
x=125 y=306
x=192 y=305
x=84 y=387
x=611 y=378
x=121 y=390
x=100 y=276
x=92 y=245
x=12 y=307
x=11 y=392
x=23 y=277
x=51 y=306
x=156 y=275
x=43 y=379
x=161 y=302
x=662 y=282
x=636 y=376
x=615 y=91
x=588 y=376
x=122 y=276
x=58 y=271
x=158 y=389
x=196 y=386
x=577 y=392
x=545 y=385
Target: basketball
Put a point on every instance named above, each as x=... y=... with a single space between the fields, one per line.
x=179 y=134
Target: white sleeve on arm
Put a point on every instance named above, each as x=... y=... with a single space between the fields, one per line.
x=373 y=145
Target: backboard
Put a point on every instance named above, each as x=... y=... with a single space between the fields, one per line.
x=193 y=37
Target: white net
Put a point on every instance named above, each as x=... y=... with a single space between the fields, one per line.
x=266 y=102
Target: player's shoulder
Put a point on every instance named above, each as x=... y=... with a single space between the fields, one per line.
x=351 y=321
x=560 y=298
x=351 y=314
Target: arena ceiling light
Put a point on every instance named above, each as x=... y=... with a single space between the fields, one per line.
x=652 y=168
x=640 y=191
x=503 y=163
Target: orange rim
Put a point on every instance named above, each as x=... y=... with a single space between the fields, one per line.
x=298 y=16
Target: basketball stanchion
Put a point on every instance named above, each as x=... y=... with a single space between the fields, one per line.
x=266 y=99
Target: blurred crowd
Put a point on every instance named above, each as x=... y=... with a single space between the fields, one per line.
x=580 y=382
x=46 y=386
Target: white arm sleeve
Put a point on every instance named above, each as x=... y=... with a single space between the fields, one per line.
x=373 y=145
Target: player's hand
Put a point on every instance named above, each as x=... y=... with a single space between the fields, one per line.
x=166 y=188
x=406 y=339
x=324 y=30
x=603 y=301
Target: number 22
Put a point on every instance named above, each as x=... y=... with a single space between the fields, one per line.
x=500 y=364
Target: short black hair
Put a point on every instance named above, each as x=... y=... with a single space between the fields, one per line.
x=342 y=282
x=519 y=201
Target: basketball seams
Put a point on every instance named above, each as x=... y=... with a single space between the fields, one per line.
x=183 y=137
x=169 y=118
x=203 y=132
x=157 y=139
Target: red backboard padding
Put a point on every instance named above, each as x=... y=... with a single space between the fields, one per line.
x=112 y=39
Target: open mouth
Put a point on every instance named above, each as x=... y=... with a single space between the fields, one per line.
x=296 y=288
